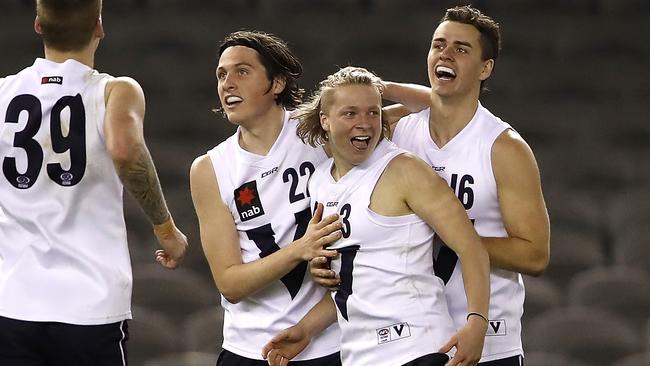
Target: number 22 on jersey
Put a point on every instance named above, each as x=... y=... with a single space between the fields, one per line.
x=264 y=237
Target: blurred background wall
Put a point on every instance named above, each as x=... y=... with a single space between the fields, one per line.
x=572 y=79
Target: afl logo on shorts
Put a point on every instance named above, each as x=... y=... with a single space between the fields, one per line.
x=248 y=201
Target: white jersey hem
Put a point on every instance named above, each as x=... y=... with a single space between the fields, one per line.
x=68 y=319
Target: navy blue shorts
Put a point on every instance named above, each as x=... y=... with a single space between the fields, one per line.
x=26 y=343
x=227 y=358
x=432 y=359
x=510 y=361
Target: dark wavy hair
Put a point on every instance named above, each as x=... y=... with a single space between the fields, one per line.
x=277 y=58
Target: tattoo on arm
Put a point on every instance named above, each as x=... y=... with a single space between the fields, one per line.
x=139 y=177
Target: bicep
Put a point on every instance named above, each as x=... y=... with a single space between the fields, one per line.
x=123 y=122
x=429 y=196
x=219 y=237
x=519 y=189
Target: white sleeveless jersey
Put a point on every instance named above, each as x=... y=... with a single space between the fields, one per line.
x=391 y=307
x=465 y=163
x=63 y=249
x=269 y=201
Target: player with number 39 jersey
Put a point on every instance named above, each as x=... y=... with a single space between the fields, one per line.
x=268 y=198
x=58 y=182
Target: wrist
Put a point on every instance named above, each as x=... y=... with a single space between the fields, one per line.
x=165 y=228
x=478 y=316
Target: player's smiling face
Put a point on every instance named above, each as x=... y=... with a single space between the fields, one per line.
x=245 y=91
x=454 y=62
x=353 y=124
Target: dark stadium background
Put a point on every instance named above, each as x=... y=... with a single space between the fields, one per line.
x=572 y=79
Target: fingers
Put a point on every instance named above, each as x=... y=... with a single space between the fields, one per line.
x=318 y=213
x=165 y=260
x=331 y=237
x=274 y=358
x=319 y=263
x=330 y=281
x=450 y=343
x=327 y=253
x=460 y=360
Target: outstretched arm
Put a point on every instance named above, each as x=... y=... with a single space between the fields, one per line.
x=526 y=249
x=237 y=280
x=123 y=131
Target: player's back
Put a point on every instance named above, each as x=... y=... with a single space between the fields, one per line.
x=63 y=252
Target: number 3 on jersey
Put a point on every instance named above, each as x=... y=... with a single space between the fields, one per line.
x=347 y=263
x=74 y=141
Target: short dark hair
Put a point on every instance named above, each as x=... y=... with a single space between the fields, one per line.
x=68 y=25
x=277 y=58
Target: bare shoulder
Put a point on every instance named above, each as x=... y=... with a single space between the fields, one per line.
x=510 y=142
x=408 y=164
x=124 y=87
x=202 y=170
x=407 y=171
x=512 y=157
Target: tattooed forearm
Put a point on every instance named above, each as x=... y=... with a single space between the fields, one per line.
x=139 y=177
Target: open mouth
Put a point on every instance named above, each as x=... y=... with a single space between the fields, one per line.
x=360 y=142
x=445 y=73
x=232 y=100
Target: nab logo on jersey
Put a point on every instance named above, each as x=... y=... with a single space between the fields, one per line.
x=393 y=332
x=52 y=80
x=496 y=327
x=248 y=201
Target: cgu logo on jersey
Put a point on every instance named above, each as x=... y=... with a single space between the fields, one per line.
x=332 y=204
x=248 y=201
x=274 y=170
x=52 y=80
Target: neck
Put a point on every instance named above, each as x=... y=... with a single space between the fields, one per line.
x=85 y=56
x=449 y=116
x=339 y=169
x=259 y=134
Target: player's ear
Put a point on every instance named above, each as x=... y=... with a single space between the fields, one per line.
x=488 y=65
x=99 y=29
x=38 y=28
x=324 y=121
x=279 y=83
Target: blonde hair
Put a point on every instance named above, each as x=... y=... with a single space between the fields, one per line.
x=310 y=130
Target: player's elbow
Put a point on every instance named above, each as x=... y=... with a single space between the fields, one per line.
x=232 y=295
x=125 y=153
x=538 y=261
